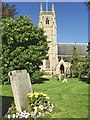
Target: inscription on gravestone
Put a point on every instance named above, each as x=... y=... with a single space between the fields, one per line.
x=21 y=85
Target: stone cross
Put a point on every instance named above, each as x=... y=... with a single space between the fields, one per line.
x=21 y=85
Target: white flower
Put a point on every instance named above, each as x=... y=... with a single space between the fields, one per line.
x=44 y=103
x=35 y=110
x=41 y=107
x=13 y=115
x=20 y=117
x=8 y=116
x=39 y=114
x=24 y=114
x=50 y=110
x=17 y=115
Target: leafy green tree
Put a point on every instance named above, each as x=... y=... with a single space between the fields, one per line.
x=83 y=67
x=74 y=63
x=88 y=61
x=8 y=11
x=24 y=46
x=88 y=47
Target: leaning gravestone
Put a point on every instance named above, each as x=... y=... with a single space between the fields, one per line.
x=21 y=85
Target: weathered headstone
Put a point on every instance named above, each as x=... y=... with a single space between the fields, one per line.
x=21 y=85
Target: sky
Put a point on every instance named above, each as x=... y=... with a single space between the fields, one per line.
x=71 y=19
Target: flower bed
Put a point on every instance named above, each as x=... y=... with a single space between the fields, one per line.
x=39 y=106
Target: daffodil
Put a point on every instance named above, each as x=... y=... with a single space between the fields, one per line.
x=36 y=96
x=31 y=95
x=47 y=97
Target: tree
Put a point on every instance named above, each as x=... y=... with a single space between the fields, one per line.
x=88 y=61
x=8 y=11
x=74 y=63
x=88 y=47
x=24 y=46
x=83 y=67
x=88 y=4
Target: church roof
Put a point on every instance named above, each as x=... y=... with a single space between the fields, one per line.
x=67 y=48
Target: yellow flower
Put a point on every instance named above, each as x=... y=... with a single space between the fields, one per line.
x=47 y=97
x=36 y=96
x=35 y=93
x=30 y=94
x=41 y=93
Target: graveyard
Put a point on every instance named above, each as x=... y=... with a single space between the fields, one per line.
x=37 y=81
x=70 y=99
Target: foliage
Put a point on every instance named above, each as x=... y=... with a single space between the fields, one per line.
x=83 y=69
x=12 y=109
x=8 y=11
x=88 y=4
x=13 y=113
x=36 y=76
x=24 y=46
x=39 y=105
x=79 y=65
x=74 y=63
x=84 y=65
x=88 y=49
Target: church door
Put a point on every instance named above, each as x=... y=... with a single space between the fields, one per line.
x=62 y=69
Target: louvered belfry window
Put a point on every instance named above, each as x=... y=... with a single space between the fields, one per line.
x=47 y=21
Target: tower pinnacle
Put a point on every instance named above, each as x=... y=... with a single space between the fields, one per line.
x=41 y=8
x=53 y=8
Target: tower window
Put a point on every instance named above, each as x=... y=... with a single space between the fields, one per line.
x=47 y=21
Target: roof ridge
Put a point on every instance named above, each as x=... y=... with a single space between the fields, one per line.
x=72 y=43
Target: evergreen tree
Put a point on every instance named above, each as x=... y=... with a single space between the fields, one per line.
x=88 y=47
x=24 y=46
x=88 y=61
x=88 y=4
x=74 y=63
x=8 y=11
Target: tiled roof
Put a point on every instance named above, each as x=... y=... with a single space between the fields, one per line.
x=67 y=48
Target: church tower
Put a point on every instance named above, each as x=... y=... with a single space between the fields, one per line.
x=47 y=21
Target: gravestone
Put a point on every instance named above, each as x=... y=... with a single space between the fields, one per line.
x=21 y=85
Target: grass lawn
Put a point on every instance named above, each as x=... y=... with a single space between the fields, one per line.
x=70 y=99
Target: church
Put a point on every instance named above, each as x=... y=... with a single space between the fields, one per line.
x=58 y=53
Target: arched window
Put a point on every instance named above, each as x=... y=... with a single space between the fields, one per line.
x=47 y=21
